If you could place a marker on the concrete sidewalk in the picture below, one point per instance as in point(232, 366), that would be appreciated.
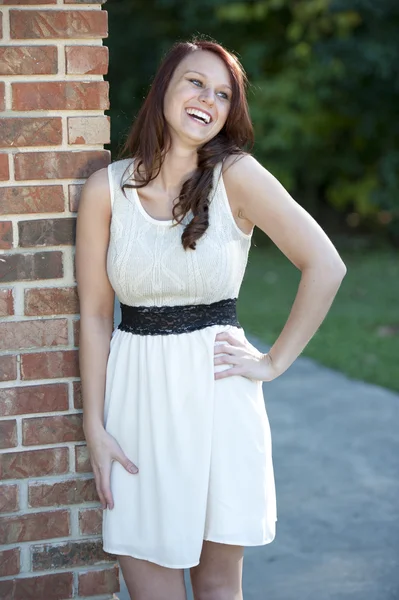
point(336, 458)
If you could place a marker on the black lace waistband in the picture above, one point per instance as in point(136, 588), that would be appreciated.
point(166, 320)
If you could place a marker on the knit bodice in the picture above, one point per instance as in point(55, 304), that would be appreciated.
point(146, 262)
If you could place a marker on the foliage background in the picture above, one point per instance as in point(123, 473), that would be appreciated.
point(324, 93)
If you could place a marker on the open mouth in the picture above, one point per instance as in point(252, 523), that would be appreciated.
point(199, 116)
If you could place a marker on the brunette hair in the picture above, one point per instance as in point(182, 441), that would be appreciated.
point(148, 139)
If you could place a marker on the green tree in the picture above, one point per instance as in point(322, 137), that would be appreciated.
point(323, 96)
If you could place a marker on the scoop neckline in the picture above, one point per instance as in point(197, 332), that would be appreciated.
point(146, 215)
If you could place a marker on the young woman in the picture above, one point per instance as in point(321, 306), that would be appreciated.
point(174, 414)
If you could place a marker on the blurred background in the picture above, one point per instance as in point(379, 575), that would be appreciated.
point(324, 98)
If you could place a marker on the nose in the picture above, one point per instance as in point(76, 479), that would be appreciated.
point(207, 96)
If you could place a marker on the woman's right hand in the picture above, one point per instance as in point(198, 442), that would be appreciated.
point(103, 449)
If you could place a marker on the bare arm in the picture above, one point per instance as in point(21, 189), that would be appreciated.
point(96, 297)
point(265, 203)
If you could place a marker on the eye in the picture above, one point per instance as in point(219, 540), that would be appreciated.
point(197, 81)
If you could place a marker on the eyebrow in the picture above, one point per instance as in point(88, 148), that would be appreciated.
point(203, 75)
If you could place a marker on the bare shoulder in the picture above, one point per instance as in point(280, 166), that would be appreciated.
point(255, 190)
point(96, 193)
point(244, 170)
point(94, 214)
point(266, 203)
point(96, 295)
point(235, 173)
point(235, 165)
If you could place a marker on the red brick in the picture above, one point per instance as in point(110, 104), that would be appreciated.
point(6, 302)
point(86, 60)
point(82, 460)
point(69, 554)
point(50, 365)
point(34, 526)
point(51, 301)
point(31, 199)
point(51, 430)
point(8, 368)
point(74, 196)
point(76, 331)
point(6, 236)
point(17, 2)
point(4, 172)
point(89, 130)
point(18, 132)
point(34, 463)
point(9, 499)
point(84, 1)
point(59, 165)
point(9, 562)
point(31, 266)
point(28, 60)
point(17, 335)
point(77, 394)
point(33, 399)
point(90, 521)
point(71, 491)
point(7, 586)
point(47, 232)
point(8, 434)
point(58, 586)
point(61, 24)
point(60, 95)
point(105, 581)
point(2, 96)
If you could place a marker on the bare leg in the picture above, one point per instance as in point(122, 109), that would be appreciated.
point(219, 574)
point(148, 581)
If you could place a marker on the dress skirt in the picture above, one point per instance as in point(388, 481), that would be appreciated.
point(203, 448)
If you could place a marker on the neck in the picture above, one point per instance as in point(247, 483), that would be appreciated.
point(178, 165)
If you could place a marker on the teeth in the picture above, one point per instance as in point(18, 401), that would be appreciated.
point(199, 113)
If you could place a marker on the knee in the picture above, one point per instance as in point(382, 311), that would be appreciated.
point(216, 591)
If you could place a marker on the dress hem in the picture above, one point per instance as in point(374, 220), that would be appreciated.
point(186, 566)
point(245, 545)
point(161, 564)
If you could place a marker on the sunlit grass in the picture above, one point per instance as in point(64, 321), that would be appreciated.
point(360, 335)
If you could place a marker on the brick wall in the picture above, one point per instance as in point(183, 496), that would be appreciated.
point(52, 130)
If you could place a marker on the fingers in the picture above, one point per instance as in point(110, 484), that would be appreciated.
point(97, 478)
point(119, 455)
point(102, 477)
point(105, 483)
point(229, 337)
point(222, 360)
point(234, 352)
point(227, 373)
point(126, 463)
point(224, 349)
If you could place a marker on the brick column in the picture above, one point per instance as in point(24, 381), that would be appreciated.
point(52, 131)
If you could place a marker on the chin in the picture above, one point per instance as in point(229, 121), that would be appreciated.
point(196, 138)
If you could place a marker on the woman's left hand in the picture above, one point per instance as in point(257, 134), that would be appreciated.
point(246, 360)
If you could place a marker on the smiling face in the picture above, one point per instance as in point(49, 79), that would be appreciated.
point(197, 101)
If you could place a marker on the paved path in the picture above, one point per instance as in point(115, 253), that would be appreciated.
point(336, 458)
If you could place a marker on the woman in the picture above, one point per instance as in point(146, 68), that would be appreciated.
point(173, 396)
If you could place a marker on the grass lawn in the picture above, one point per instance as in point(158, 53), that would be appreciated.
point(360, 335)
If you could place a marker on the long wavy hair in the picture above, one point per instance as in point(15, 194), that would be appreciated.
point(148, 139)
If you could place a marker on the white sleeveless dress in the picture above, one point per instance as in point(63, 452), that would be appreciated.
point(202, 446)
